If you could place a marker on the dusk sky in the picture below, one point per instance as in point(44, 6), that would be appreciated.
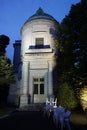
point(13, 14)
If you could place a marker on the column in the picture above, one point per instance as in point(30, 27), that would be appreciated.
point(50, 79)
point(25, 77)
point(31, 86)
point(24, 96)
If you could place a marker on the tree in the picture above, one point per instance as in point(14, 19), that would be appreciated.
point(73, 46)
point(6, 69)
point(4, 41)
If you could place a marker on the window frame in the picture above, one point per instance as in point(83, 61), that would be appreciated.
point(39, 43)
point(39, 81)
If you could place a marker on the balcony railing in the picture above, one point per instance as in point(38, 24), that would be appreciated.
point(39, 47)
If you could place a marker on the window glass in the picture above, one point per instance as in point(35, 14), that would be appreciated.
point(41, 88)
point(35, 79)
point(38, 83)
point(35, 88)
point(42, 79)
point(39, 43)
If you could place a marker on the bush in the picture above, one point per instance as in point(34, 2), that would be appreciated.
point(66, 96)
point(83, 97)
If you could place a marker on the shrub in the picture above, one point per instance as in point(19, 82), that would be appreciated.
point(66, 96)
point(83, 97)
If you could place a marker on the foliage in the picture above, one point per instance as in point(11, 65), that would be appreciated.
point(6, 68)
point(83, 97)
point(73, 46)
point(6, 78)
point(4, 41)
point(6, 71)
point(66, 96)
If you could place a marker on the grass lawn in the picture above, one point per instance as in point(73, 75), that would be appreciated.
point(78, 120)
point(6, 110)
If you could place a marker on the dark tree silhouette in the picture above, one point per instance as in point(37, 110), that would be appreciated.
point(6, 69)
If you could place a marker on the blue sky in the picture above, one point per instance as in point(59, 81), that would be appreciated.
point(13, 14)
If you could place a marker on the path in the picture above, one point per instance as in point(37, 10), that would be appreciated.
point(26, 120)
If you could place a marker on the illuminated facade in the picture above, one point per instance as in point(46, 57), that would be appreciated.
point(35, 59)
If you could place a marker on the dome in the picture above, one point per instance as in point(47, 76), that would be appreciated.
point(40, 15)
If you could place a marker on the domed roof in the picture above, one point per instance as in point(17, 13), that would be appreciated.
point(40, 15)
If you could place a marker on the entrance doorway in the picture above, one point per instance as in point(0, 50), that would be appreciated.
point(39, 90)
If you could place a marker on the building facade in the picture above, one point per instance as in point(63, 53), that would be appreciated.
point(35, 59)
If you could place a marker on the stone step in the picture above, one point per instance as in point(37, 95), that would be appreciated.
point(32, 107)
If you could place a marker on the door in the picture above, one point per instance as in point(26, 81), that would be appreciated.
point(38, 87)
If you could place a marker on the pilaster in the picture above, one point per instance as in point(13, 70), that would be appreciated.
point(25, 77)
point(24, 94)
point(50, 79)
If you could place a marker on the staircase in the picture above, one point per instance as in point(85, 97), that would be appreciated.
point(32, 107)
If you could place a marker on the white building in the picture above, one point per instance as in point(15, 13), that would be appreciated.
point(35, 59)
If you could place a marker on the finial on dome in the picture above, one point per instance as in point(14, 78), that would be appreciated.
point(40, 11)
